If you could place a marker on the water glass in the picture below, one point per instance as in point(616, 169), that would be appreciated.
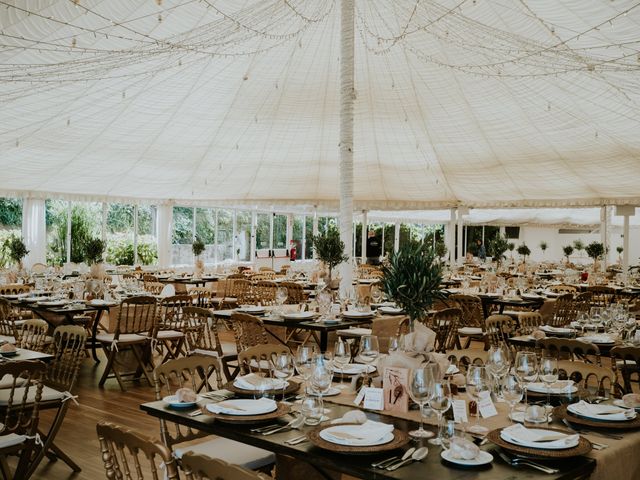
point(368, 353)
point(440, 402)
point(478, 385)
point(512, 392)
point(283, 369)
point(446, 432)
point(312, 409)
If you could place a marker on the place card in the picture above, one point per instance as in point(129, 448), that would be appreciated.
point(486, 407)
point(374, 398)
point(460, 411)
point(394, 384)
point(360, 396)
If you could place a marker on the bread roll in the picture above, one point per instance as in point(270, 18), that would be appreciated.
point(464, 449)
point(632, 400)
point(186, 395)
point(7, 347)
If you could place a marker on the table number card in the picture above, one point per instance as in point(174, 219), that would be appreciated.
point(373, 399)
point(396, 394)
point(486, 407)
point(460, 411)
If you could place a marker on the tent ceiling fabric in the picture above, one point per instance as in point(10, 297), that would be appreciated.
point(487, 103)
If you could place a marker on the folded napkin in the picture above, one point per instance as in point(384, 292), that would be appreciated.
point(538, 438)
point(562, 386)
point(365, 434)
point(549, 328)
point(352, 416)
point(253, 381)
point(610, 413)
point(243, 407)
point(422, 339)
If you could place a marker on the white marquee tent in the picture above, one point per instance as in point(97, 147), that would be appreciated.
point(484, 103)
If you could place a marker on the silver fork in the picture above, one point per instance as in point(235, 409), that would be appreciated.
point(518, 461)
point(585, 431)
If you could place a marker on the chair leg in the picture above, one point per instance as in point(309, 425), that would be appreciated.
point(4, 468)
point(141, 363)
point(65, 458)
point(107, 369)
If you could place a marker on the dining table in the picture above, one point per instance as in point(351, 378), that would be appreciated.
point(321, 328)
point(304, 460)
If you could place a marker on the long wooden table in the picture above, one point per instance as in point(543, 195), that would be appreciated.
point(307, 461)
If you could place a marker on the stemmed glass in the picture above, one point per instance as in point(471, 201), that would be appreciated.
point(341, 354)
point(283, 369)
point(440, 401)
point(498, 363)
point(526, 370)
point(549, 375)
point(478, 385)
point(324, 303)
point(421, 382)
point(368, 353)
point(321, 378)
point(376, 294)
point(512, 392)
point(304, 362)
point(281, 296)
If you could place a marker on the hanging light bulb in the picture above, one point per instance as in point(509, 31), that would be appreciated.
point(76, 2)
point(159, 2)
point(159, 17)
point(73, 42)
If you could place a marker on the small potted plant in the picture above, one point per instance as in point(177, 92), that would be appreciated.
point(543, 247)
point(497, 247)
point(330, 250)
point(524, 252)
point(567, 250)
point(93, 253)
point(15, 249)
point(511, 246)
point(578, 245)
point(412, 278)
point(619, 250)
point(198, 247)
point(595, 250)
point(441, 250)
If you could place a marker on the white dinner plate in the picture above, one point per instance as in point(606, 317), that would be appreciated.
point(355, 369)
point(540, 387)
point(356, 314)
point(299, 316)
point(518, 416)
point(620, 403)
point(245, 407)
point(251, 309)
point(390, 310)
point(172, 401)
point(483, 458)
point(325, 435)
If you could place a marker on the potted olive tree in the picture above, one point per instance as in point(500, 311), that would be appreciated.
point(497, 247)
point(578, 246)
point(543, 247)
point(15, 249)
point(595, 250)
point(619, 250)
point(197, 247)
point(511, 246)
point(93, 254)
point(330, 250)
point(524, 252)
point(567, 250)
point(412, 279)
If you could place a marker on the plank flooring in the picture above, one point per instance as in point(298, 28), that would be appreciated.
point(78, 438)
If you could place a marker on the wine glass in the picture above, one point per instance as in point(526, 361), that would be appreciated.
point(283, 369)
point(324, 303)
point(303, 362)
point(341, 354)
point(498, 363)
point(395, 343)
point(281, 296)
point(478, 385)
point(376, 294)
point(440, 401)
point(368, 353)
point(446, 433)
point(312, 409)
point(321, 377)
point(420, 389)
point(512, 392)
point(549, 375)
point(526, 370)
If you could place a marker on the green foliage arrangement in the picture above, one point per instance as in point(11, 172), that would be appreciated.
point(619, 250)
point(83, 228)
point(578, 245)
point(595, 250)
point(524, 251)
point(120, 252)
point(329, 249)
point(197, 246)
point(567, 250)
point(15, 248)
point(543, 246)
point(497, 247)
point(511, 246)
point(441, 250)
point(412, 278)
point(94, 250)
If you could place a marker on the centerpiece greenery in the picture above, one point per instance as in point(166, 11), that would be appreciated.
point(567, 250)
point(197, 246)
point(511, 246)
point(15, 249)
point(578, 245)
point(543, 247)
point(94, 250)
point(595, 250)
point(497, 247)
point(329, 250)
point(441, 250)
point(412, 278)
point(524, 252)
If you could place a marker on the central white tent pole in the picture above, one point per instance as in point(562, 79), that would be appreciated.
point(346, 135)
point(363, 237)
point(626, 211)
point(163, 234)
point(396, 237)
point(135, 234)
point(450, 235)
point(254, 224)
point(460, 234)
point(34, 230)
point(603, 233)
point(314, 227)
point(68, 238)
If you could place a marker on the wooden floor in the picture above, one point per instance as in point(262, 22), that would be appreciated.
point(77, 436)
